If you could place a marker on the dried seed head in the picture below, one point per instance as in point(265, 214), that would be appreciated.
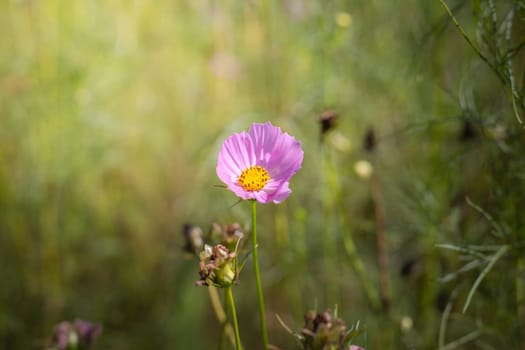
point(193, 238)
point(229, 235)
point(324, 331)
point(216, 266)
point(328, 120)
point(370, 140)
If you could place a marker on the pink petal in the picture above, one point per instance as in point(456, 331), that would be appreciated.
point(280, 194)
point(265, 145)
point(264, 138)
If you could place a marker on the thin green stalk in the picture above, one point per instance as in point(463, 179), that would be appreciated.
point(234, 318)
point(463, 340)
point(515, 95)
point(444, 320)
point(258, 275)
point(330, 244)
point(469, 41)
point(220, 345)
point(221, 314)
point(348, 241)
point(224, 323)
point(483, 273)
point(520, 291)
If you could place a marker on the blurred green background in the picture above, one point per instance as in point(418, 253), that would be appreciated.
point(111, 117)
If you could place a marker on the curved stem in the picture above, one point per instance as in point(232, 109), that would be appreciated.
point(221, 314)
point(234, 318)
point(258, 275)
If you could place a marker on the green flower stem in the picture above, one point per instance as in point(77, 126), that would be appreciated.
point(335, 190)
point(223, 322)
point(330, 244)
point(221, 314)
point(234, 318)
point(258, 275)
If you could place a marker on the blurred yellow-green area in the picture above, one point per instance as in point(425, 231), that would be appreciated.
point(407, 216)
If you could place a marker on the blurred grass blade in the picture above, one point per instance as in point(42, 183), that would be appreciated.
point(483, 273)
point(465, 268)
point(463, 340)
point(299, 337)
point(466, 250)
point(487, 216)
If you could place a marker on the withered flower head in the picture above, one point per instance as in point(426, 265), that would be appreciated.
point(217, 266)
point(327, 121)
point(229, 235)
point(193, 237)
point(63, 336)
point(79, 334)
point(370, 140)
point(324, 331)
point(87, 331)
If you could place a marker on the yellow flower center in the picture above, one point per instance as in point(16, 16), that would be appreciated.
point(254, 178)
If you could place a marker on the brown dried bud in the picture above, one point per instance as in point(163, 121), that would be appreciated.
point(217, 266)
point(327, 122)
point(324, 331)
point(370, 140)
point(229, 235)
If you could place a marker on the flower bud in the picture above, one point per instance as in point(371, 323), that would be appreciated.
point(327, 121)
point(217, 266)
point(324, 331)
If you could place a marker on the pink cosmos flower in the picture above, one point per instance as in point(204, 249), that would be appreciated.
point(258, 164)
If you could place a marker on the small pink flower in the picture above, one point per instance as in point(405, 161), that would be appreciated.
point(258, 164)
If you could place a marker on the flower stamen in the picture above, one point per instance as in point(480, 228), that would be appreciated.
point(254, 178)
